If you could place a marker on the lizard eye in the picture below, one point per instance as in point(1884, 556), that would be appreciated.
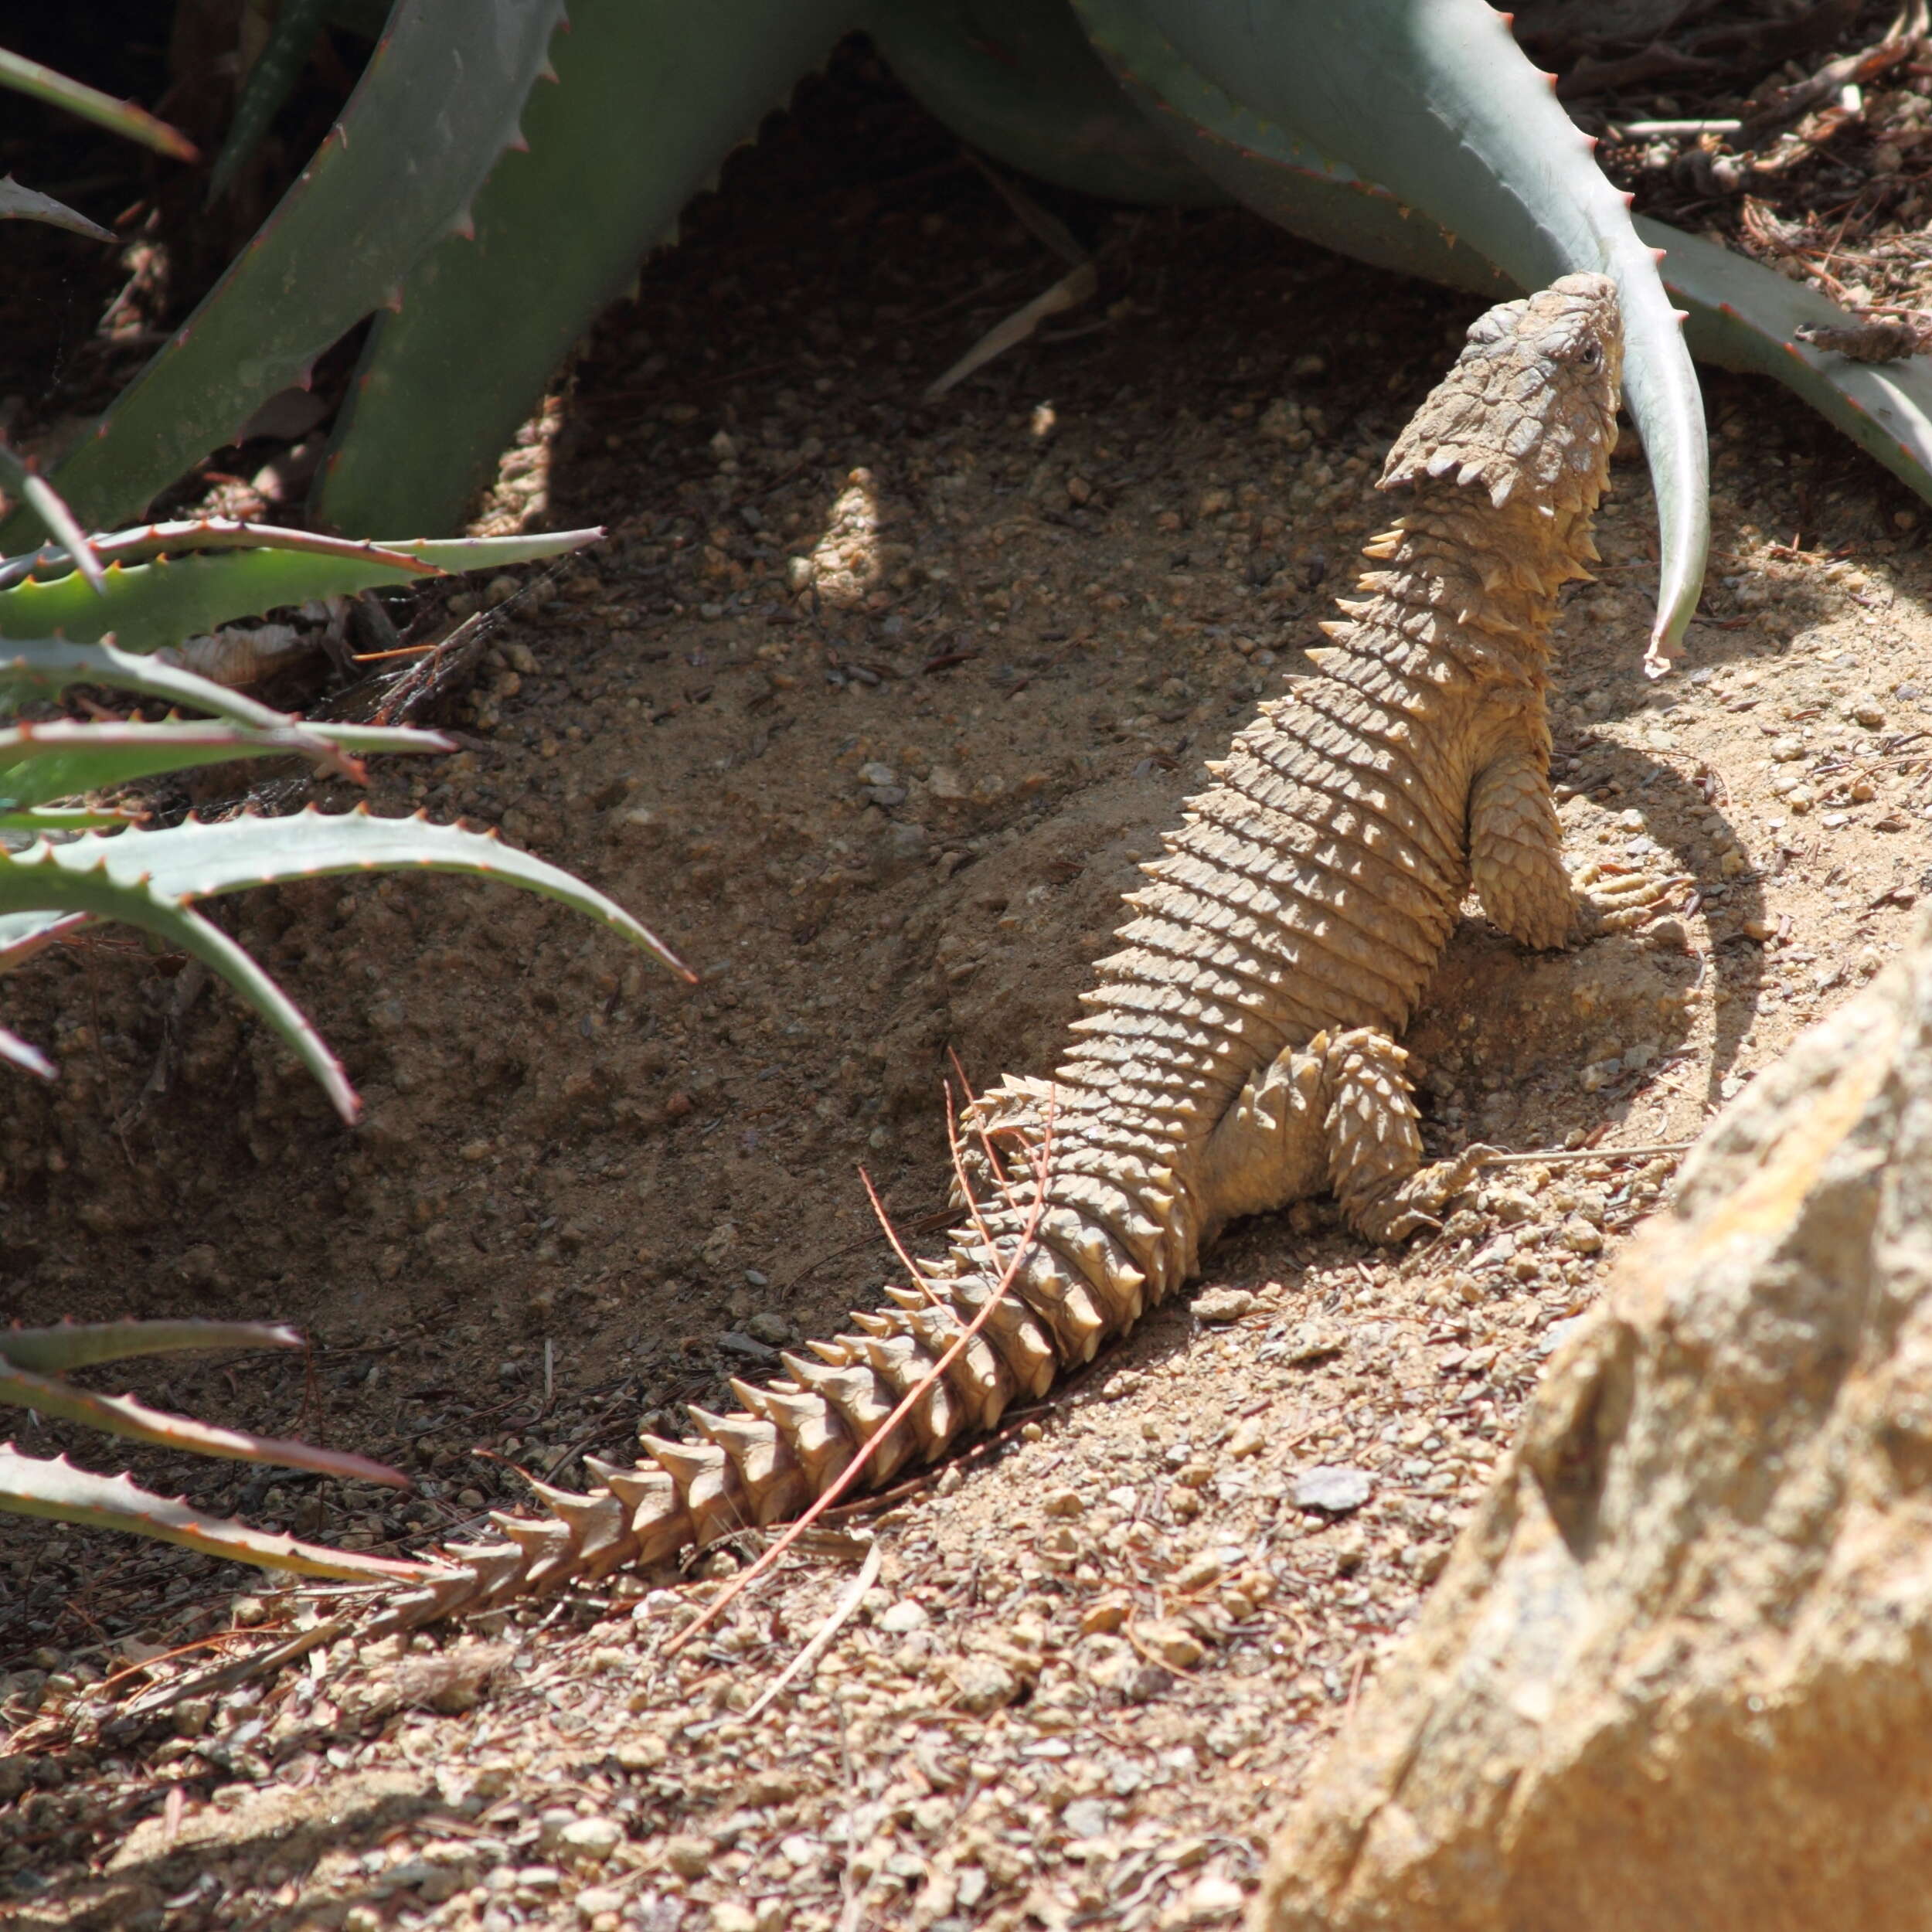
point(1589, 356)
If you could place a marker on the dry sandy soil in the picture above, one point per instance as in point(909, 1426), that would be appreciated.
point(886, 799)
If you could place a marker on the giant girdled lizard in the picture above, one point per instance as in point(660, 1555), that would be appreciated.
point(1240, 1049)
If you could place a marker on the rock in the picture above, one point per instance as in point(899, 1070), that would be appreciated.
point(1674, 1672)
point(1085, 1818)
point(1223, 1305)
point(906, 1615)
point(1064, 1502)
point(983, 1683)
point(1315, 1340)
point(1333, 1488)
point(1175, 1645)
point(1199, 1572)
point(689, 1855)
point(1126, 1679)
point(591, 1840)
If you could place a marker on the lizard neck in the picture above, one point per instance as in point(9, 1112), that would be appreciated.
point(1482, 582)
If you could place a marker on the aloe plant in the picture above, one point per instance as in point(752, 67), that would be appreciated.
point(90, 863)
point(72, 855)
point(34, 1363)
point(482, 203)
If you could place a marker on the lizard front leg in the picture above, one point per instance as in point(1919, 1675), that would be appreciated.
point(1516, 863)
point(1335, 1115)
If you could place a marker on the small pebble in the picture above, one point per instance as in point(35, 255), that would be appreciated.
point(1199, 1572)
point(1085, 1818)
point(983, 1683)
point(688, 1855)
point(1332, 1488)
point(1104, 1614)
point(1580, 1237)
point(1175, 1645)
point(1223, 1305)
point(591, 1839)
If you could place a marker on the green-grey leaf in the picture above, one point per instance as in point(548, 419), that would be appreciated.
point(37, 882)
point(147, 605)
point(67, 758)
point(437, 105)
point(148, 879)
point(45, 666)
point(1743, 316)
point(28, 204)
point(195, 861)
point(651, 96)
point(123, 117)
point(45, 501)
point(32, 1487)
point(123, 1416)
point(69, 1346)
point(25, 1055)
point(1433, 99)
point(452, 554)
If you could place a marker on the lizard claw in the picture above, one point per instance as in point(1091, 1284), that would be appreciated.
point(1412, 1206)
point(1622, 902)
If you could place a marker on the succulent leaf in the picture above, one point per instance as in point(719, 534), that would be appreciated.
point(25, 1055)
point(267, 83)
point(121, 116)
point(20, 477)
point(1433, 99)
point(45, 666)
point(652, 95)
point(434, 554)
point(123, 1416)
point(149, 878)
point(69, 1346)
point(1743, 316)
point(146, 605)
point(437, 105)
point(32, 1486)
point(66, 759)
point(31, 883)
point(1020, 79)
point(28, 204)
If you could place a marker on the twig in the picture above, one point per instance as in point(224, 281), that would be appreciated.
point(214, 1683)
point(1548, 1154)
point(822, 1637)
point(854, 1469)
point(899, 1247)
point(1618, 130)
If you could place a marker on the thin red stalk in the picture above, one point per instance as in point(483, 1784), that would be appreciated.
point(917, 1394)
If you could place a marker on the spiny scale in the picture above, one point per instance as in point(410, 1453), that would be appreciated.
point(1239, 1049)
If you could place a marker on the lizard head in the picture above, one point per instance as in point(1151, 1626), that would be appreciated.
point(1529, 411)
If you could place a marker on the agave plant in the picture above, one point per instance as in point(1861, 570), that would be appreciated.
point(77, 861)
point(33, 1365)
point(493, 180)
point(72, 854)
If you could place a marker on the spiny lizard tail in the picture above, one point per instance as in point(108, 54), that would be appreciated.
point(1239, 1052)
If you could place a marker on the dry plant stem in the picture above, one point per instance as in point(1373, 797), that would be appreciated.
point(892, 1233)
point(912, 1399)
point(1567, 1154)
point(822, 1637)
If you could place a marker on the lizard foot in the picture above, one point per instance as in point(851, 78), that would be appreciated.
point(1414, 1204)
point(1609, 901)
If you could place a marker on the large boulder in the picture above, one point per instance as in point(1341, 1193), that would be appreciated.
point(1679, 1671)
